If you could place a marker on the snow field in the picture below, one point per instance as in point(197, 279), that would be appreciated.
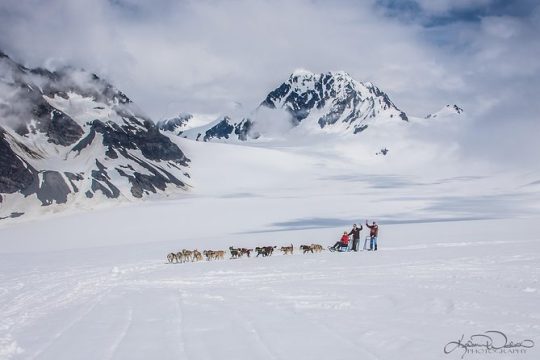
point(404, 301)
point(459, 254)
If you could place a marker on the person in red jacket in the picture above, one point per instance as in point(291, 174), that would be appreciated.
point(373, 234)
point(344, 241)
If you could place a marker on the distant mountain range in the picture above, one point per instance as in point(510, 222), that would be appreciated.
point(331, 102)
point(69, 136)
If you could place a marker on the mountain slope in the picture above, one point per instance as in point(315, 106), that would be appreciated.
point(69, 134)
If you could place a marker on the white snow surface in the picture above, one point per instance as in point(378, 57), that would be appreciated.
point(459, 254)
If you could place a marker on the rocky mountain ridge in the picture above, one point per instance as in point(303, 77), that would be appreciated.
point(68, 134)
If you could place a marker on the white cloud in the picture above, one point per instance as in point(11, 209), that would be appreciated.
point(439, 7)
point(200, 56)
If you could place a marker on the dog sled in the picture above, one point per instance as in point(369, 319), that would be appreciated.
point(341, 248)
point(367, 243)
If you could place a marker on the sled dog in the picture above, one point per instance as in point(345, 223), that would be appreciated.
point(287, 249)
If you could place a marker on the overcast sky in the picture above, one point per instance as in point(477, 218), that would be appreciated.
point(173, 56)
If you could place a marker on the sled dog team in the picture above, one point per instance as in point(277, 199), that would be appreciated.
point(195, 255)
point(236, 253)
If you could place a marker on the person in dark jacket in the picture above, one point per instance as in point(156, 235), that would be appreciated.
point(344, 241)
point(373, 234)
point(355, 232)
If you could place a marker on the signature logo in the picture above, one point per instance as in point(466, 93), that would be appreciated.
point(490, 342)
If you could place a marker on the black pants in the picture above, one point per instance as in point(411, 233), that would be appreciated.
point(338, 245)
point(355, 244)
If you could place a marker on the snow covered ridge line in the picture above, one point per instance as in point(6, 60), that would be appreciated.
point(448, 110)
point(68, 136)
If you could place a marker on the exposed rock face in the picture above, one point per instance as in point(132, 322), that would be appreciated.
point(175, 124)
point(243, 129)
point(222, 130)
point(71, 119)
point(137, 135)
point(53, 188)
point(15, 174)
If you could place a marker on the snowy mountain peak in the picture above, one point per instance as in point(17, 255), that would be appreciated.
point(304, 77)
point(300, 72)
point(448, 110)
point(332, 99)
